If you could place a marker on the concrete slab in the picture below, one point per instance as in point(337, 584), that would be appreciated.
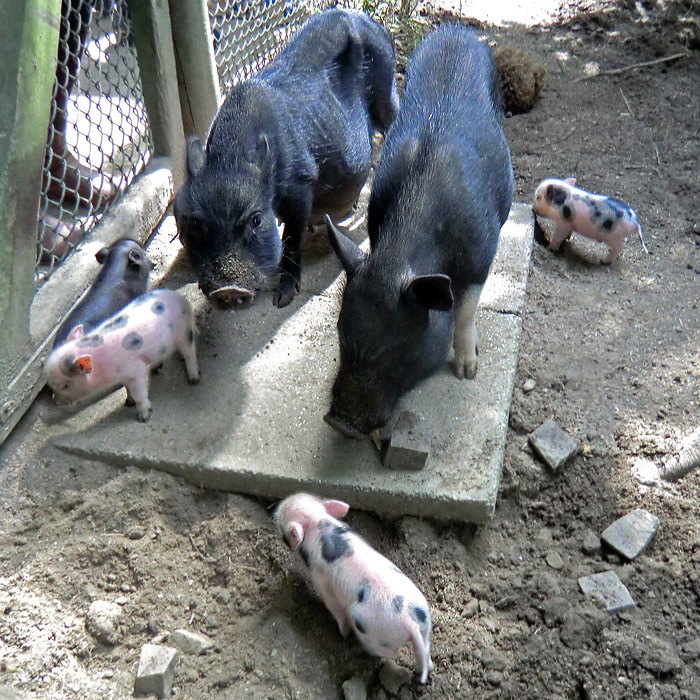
point(254, 424)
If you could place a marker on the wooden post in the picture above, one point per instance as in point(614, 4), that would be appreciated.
point(156, 56)
point(29, 32)
point(194, 52)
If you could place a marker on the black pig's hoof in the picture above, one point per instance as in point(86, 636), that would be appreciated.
point(284, 293)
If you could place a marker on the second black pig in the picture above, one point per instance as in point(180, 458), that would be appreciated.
point(443, 189)
point(290, 144)
point(123, 277)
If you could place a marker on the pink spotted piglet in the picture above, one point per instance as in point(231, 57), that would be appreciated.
point(595, 216)
point(363, 590)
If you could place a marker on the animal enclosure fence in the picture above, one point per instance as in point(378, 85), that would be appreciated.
point(100, 92)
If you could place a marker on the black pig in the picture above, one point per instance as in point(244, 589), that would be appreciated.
point(290, 144)
point(441, 193)
point(123, 277)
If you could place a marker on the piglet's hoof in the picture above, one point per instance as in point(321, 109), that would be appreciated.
point(195, 380)
point(144, 416)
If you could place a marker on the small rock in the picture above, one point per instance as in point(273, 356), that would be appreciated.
point(189, 642)
point(630, 535)
point(101, 621)
point(471, 608)
point(552, 445)
point(591, 543)
point(135, 532)
point(354, 689)
point(494, 677)
point(645, 472)
point(493, 660)
point(554, 560)
point(156, 670)
point(690, 651)
point(529, 385)
point(607, 587)
point(392, 677)
point(222, 596)
point(409, 445)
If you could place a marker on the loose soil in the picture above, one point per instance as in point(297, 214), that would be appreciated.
point(614, 354)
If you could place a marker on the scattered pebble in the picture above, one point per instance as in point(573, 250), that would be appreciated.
point(607, 587)
point(630, 535)
point(135, 532)
point(409, 445)
point(529, 385)
point(554, 560)
point(156, 670)
point(392, 677)
point(552, 445)
point(591, 543)
point(645, 471)
point(102, 620)
point(189, 642)
point(471, 608)
point(354, 689)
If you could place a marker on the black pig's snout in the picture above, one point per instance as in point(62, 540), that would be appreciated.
point(232, 297)
point(343, 428)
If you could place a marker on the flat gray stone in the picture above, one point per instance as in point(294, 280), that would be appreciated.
point(189, 642)
point(552, 445)
point(156, 671)
point(255, 422)
point(608, 588)
point(630, 534)
point(409, 445)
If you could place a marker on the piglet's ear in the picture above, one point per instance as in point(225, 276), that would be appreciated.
point(84, 363)
point(294, 534)
point(336, 509)
point(77, 332)
point(570, 181)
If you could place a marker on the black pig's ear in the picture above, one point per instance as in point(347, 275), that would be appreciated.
point(430, 291)
point(258, 153)
point(348, 252)
point(195, 156)
point(101, 255)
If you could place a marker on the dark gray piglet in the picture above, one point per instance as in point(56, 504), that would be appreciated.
point(442, 191)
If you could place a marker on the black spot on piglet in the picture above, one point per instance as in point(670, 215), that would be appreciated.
point(365, 590)
point(359, 626)
point(418, 614)
point(158, 308)
point(334, 544)
point(190, 336)
point(397, 604)
point(115, 323)
point(567, 213)
point(90, 341)
point(607, 225)
point(133, 341)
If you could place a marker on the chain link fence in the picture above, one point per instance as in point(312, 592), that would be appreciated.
point(249, 33)
point(98, 137)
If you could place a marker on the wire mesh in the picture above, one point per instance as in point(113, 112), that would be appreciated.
point(249, 33)
point(98, 137)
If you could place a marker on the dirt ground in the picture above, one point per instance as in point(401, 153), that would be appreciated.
point(614, 352)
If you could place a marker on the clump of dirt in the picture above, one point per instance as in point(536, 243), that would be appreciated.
point(522, 78)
